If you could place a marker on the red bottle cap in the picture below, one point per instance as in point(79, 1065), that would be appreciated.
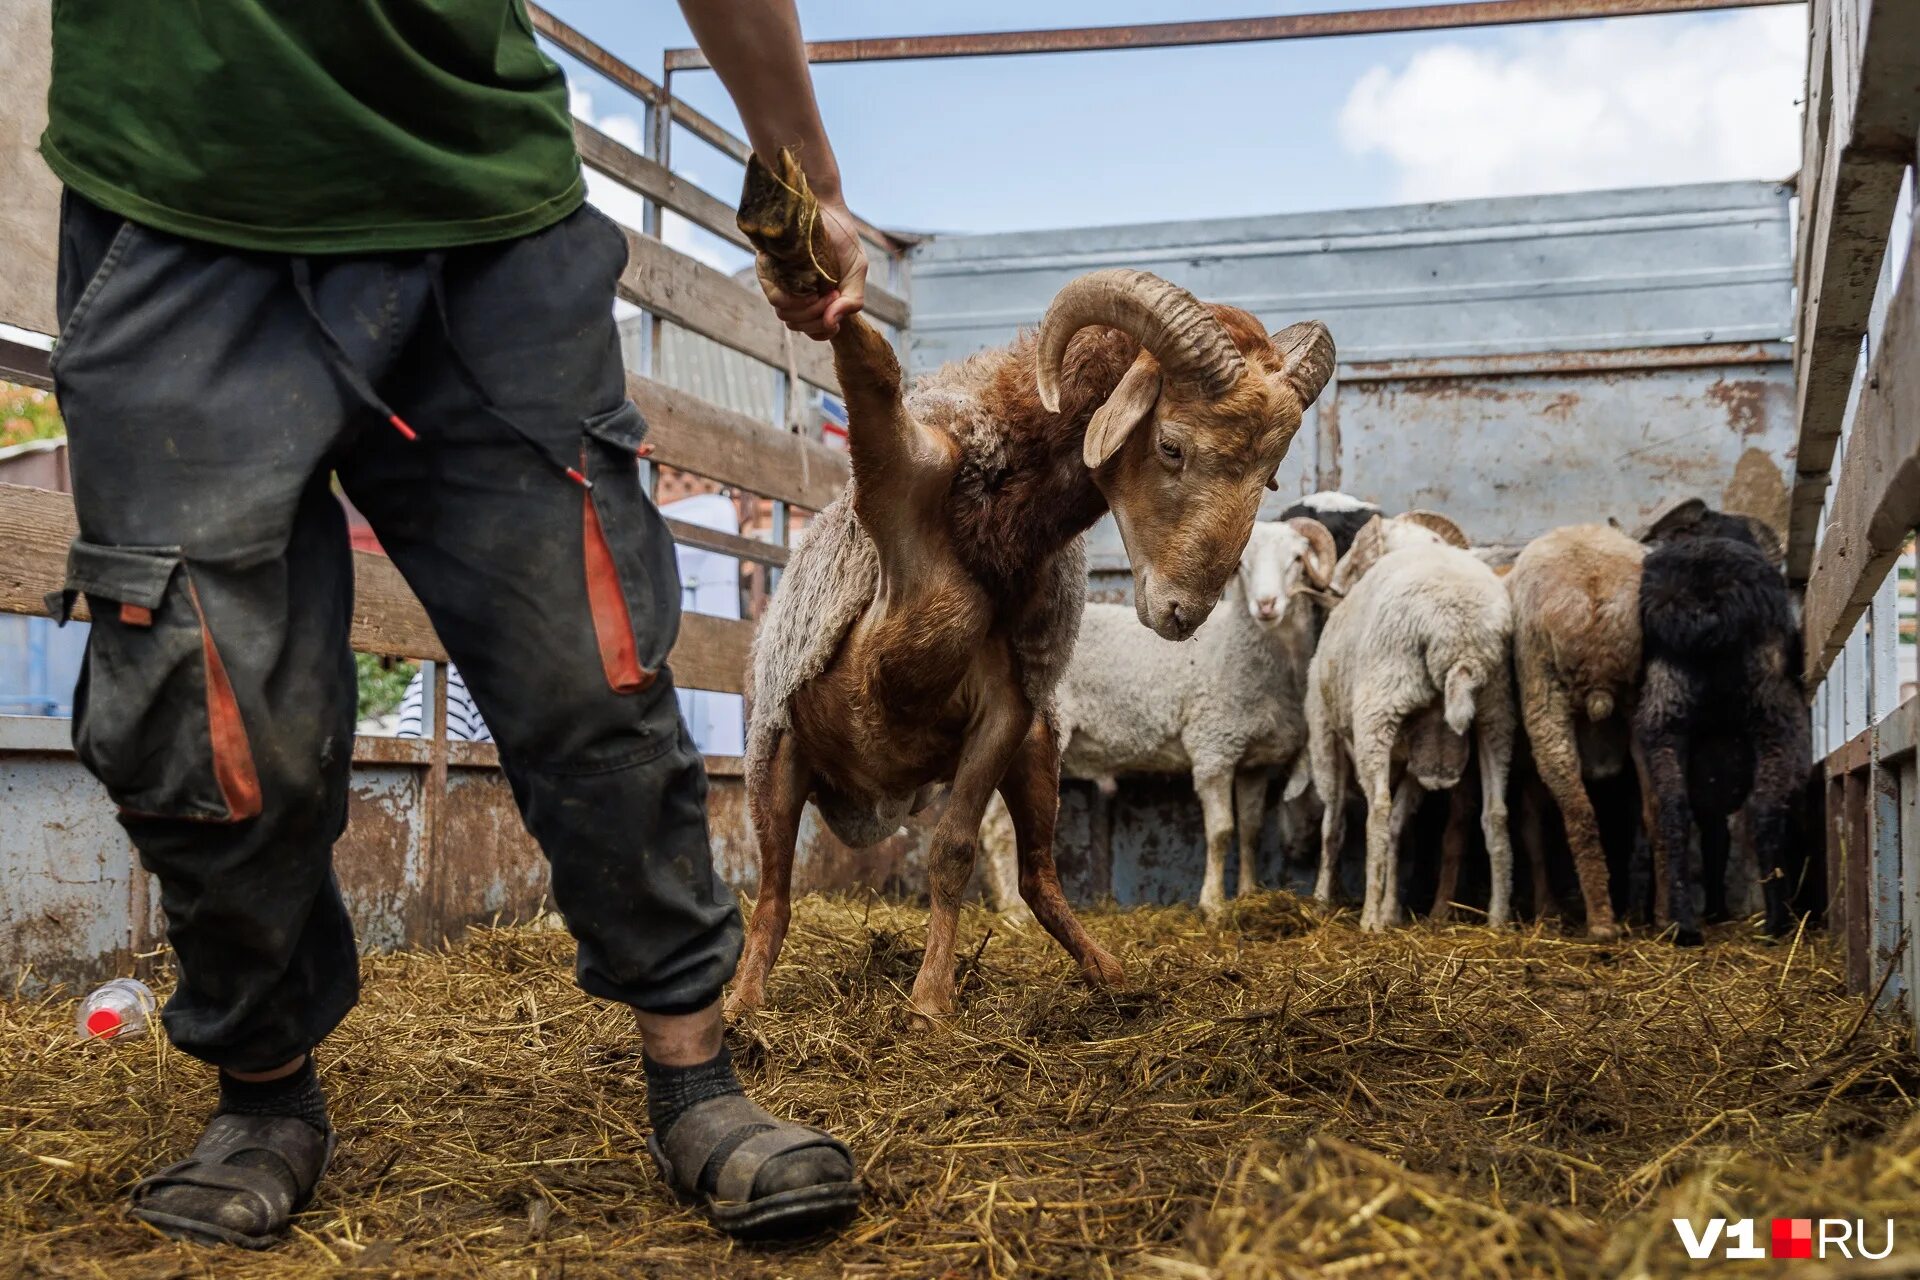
point(102, 1022)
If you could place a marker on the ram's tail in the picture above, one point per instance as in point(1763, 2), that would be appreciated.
point(1463, 682)
point(1299, 779)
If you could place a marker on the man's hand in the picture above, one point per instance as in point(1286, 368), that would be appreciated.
point(819, 315)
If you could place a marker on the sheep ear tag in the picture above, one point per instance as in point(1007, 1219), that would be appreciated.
point(1130, 405)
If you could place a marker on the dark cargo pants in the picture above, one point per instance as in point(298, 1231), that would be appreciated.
point(210, 396)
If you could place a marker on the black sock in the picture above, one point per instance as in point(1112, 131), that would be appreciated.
point(671, 1090)
point(298, 1095)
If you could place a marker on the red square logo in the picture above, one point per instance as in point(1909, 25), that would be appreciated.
point(1793, 1237)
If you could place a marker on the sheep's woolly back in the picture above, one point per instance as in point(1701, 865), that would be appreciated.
point(1576, 604)
point(1418, 615)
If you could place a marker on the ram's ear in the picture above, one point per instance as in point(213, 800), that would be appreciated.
point(1130, 405)
point(1671, 518)
point(1767, 538)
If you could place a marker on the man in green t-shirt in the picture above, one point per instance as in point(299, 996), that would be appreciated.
point(308, 241)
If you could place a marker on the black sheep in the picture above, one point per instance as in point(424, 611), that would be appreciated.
point(1343, 515)
point(1722, 721)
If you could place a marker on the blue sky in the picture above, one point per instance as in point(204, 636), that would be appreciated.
point(1061, 140)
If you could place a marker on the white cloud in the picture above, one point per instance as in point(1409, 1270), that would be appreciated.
point(1589, 105)
point(626, 206)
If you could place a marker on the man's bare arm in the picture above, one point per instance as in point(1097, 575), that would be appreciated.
point(756, 48)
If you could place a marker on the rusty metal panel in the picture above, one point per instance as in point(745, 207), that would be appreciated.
point(1511, 456)
point(489, 867)
point(381, 859)
point(66, 900)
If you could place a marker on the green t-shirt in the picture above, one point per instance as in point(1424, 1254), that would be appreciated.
point(312, 126)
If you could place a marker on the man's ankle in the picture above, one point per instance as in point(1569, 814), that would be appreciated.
point(295, 1093)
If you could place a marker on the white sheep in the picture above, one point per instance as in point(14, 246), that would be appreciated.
point(1225, 707)
point(1411, 666)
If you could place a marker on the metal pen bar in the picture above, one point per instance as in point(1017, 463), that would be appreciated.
point(1167, 35)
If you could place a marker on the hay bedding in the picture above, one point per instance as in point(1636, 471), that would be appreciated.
point(1285, 1097)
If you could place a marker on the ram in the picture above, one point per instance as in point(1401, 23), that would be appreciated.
point(928, 613)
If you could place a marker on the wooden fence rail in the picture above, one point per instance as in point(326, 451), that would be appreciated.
point(1863, 106)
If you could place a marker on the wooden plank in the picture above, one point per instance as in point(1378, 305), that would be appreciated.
point(727, 544)
point(36, 526)
point(594, 55)
point(1899, 735)
point(656, 182)
point(1836, 848)
point(1909, 784)
point(1887, 906)
point(712, 653)
point(1877, 501)
point(1851, 756)
point(1858, 936)
point(1863, 111)
point(692, 294)
point(25, 364)
point(693, 435)
point(29, 193)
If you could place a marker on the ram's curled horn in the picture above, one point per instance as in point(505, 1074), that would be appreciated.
point(1306, 353)
point(1449, 531)
point(1183, 335)
point(1321, 555)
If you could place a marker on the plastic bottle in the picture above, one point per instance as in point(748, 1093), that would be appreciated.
point(121, 1010)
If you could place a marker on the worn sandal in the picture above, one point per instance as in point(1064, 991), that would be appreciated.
point(288, 1156)
point(715, 1153)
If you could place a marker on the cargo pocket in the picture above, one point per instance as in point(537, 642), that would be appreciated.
point(633, 585)
point(155, 717)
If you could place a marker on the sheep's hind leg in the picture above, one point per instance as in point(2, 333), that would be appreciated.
point(1556, 757)
point(1215, 790)
point(1453, 851)
point(1031, 789)
point(1249, 811)
point(1330, 779)
point(776, 794)
point(1381, 907)
point(984, 757)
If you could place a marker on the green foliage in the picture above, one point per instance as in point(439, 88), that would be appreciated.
point(383, 682)
point(27, 413)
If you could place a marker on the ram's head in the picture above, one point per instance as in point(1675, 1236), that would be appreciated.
point(1194, 432)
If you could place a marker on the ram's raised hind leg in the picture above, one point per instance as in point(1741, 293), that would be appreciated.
point(897, 463)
